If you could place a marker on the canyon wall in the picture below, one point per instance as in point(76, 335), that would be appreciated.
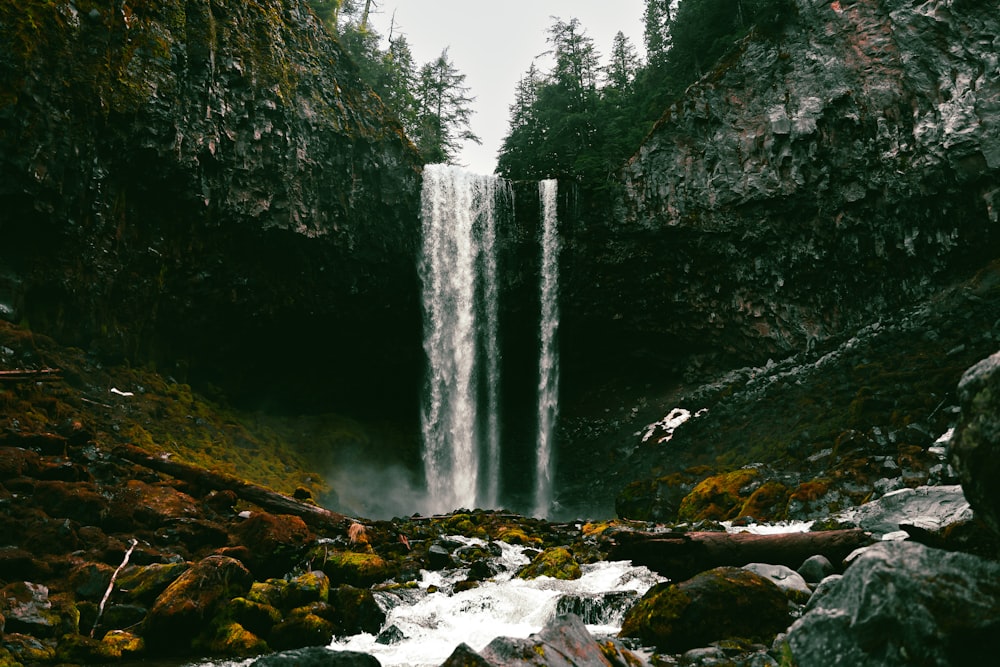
point(207, 180)
point(814, 181)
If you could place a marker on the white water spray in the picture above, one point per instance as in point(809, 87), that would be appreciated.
point(548, 362)
point(458, 272)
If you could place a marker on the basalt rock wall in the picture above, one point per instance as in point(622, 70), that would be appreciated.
point(207, 181)
point(815, 180)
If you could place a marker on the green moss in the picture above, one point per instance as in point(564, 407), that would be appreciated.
point(556, 562)
point(230, 639)
point(357, 569)
point(516, 535)
point(717, 498)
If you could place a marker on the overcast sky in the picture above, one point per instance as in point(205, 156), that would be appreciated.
point(493, 43)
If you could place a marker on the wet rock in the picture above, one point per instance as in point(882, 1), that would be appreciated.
point(439, 557)
point(316, 657)
point(79, 649)
point(975, 447)
point(597, 608)
point(230, 639)
point(717, 604)
point(816, 568)
point(124, 644)
point(563, 642)
point(788, 580)
point(902, 602)
point(122, 616)
point(188, 605)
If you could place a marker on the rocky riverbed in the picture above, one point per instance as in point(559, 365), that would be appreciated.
point(113, 553)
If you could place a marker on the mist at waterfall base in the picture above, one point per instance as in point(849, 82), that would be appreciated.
point(486, 432)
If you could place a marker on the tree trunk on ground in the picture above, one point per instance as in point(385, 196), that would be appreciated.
point(680, 556)
point(269, 500)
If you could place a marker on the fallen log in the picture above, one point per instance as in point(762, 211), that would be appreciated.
point(680, 556)
point(30, 375)
point(271, 501)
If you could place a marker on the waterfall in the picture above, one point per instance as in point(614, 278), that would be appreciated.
point(548, 362)
point(460, 416)
point(461, 441)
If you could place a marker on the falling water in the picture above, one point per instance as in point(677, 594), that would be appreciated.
point(548, 363)
point(458, 272)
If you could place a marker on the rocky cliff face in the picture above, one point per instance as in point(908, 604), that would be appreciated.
point(814, 181)
point(207, 180)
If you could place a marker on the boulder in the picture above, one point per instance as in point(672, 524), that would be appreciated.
point(975, 448)
point(29, 609)
point(788, 580)
point(144, 583)
point(902, 603)
point(256, 617)
point(717, 604)
point(316, 656)
point(816, 568)
point(563, 642)
point(301, 629)
point(557, 562)
point(277, 542)
point(356, 610)
point(926, 507)
point(188, 606)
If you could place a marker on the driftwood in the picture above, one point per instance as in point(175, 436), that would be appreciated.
point(269, 500)
point(30, 375)
point(680, 556)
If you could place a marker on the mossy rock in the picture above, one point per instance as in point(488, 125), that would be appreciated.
point(356, 610)
point(270, 592)
point(313, 586)
point(354, 568)
point(191, 603)
point(301, 630)
point(124, 644)
point(256, 617)
point(144, 583)
point(7, 659)
point(517, 535)
point(231, 640)
point(28, 649)
point(718, 604)
point(769, 502)
point(556, 562)
point(719, 497)
point(78, 649)
point(27, 607)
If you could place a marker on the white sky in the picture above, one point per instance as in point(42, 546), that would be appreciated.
point(493, 43)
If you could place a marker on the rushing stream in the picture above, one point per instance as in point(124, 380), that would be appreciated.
point(423, 627)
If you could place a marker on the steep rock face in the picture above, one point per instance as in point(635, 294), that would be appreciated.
point(206, 180)
point(815, 180)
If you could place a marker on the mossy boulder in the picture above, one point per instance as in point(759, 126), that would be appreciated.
point(313, 586)
point(356, 610)
point(557, 562)
point(270, 592)
point(718, 604)
point(79, 649)
point(355, 568)
point(190, 603)
point(124, 644)
point(144, 583)
point(302, 629)
point(256, 617)
point(276, 543)
point(230, 639)
point(719, 497)
point(89, 581)
point(517, 535)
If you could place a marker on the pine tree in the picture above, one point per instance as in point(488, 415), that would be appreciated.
point(443, 111)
